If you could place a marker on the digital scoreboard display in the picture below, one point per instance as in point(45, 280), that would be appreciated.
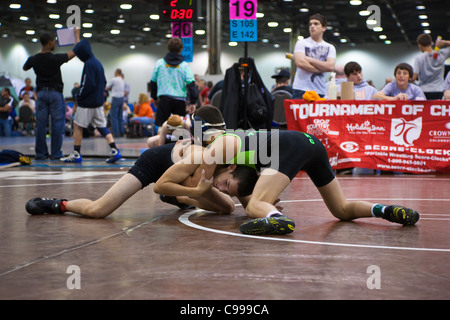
point(177, 10)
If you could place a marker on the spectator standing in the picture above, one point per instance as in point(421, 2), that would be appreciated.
point(429, 66)
point(89, 104)
point(170, 79)
point(50, 100)
point(117, 87)
point(313, 57)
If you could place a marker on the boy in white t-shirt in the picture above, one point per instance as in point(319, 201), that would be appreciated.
point(313, 57)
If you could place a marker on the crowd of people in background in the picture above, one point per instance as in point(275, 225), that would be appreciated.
point(104, 107)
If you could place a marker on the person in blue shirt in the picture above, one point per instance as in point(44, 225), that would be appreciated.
point(89, 103)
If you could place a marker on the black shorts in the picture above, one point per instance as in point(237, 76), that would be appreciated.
point(297, 151)
point(152, 164)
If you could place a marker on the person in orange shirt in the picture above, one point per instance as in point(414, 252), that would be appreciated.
point(143, 110)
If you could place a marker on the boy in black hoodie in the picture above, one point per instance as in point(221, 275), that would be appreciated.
point(88, 107)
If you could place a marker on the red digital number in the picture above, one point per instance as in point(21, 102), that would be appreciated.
point(173, 3)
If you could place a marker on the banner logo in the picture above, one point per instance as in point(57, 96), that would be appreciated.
point(404, 133)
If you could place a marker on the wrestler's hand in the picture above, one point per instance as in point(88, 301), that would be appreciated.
point(204, 184)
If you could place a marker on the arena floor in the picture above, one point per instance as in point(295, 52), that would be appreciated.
point(148, 249)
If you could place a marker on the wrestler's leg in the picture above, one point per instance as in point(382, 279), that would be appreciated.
point(340, 207)
point(121, 191)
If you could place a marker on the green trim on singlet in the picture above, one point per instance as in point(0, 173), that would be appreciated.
point(244, 157)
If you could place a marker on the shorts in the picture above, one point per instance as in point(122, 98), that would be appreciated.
point(86, 116)
point(152, 164)
point(298, 151)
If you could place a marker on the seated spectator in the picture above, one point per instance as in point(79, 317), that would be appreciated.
point(165, 131)
point(282, 79)
point(143, 110)
point(429, 66)
point(401, 88)
point(447, 87)
point(361, 88)
point(28, 102)
point(28, 89)
point(6, 108)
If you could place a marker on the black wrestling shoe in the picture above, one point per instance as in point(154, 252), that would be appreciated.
point(276, 224)
point(44, 205)
point(173, 200)
point(402, 215)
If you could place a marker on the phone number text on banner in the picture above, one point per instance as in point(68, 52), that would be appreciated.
point(405, 136)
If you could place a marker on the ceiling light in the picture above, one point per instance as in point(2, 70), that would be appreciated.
point(260, 15)
point(115, 31)
point(355, 2)
point(132, 47)
point(272, 24)
point(420, 7)
point(146, 29)
point(168, 35)
point(120, 20)
point(87, 35)
point(90, 11)
point(51, 1)
point(200, 32)
point(371, 22)
point(53, 16)
point(303, 10)
point(87, 25)
point(382, 36)
point(24, 18)
point(377, 29)
point(336, 34)
point(343, 40)
point(276, 45)
point(388, 42)
point(30, 32)
point(58, 26)
point(34, 40)
point(423, 17)
point(232, 44)
point(364, 13)
point(425, 24)
point(427, 31)
point(264, 40)
point(287, 30)
point(154, 16)
point(15, 6)
point(126, 6)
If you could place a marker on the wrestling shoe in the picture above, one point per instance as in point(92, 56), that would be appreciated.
point(115, 155)
point(74, 157)
point(276, 224)
point(401, 215)
point(44, 205)
point(173, 200)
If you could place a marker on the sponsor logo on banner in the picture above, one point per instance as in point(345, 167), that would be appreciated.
point(349, 146)
point(365, 128)
point(319, 127)
point(404, 133)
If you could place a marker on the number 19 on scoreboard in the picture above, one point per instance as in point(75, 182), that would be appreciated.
point(243, 26)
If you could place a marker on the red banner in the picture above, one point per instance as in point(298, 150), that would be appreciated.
point(405, 136)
